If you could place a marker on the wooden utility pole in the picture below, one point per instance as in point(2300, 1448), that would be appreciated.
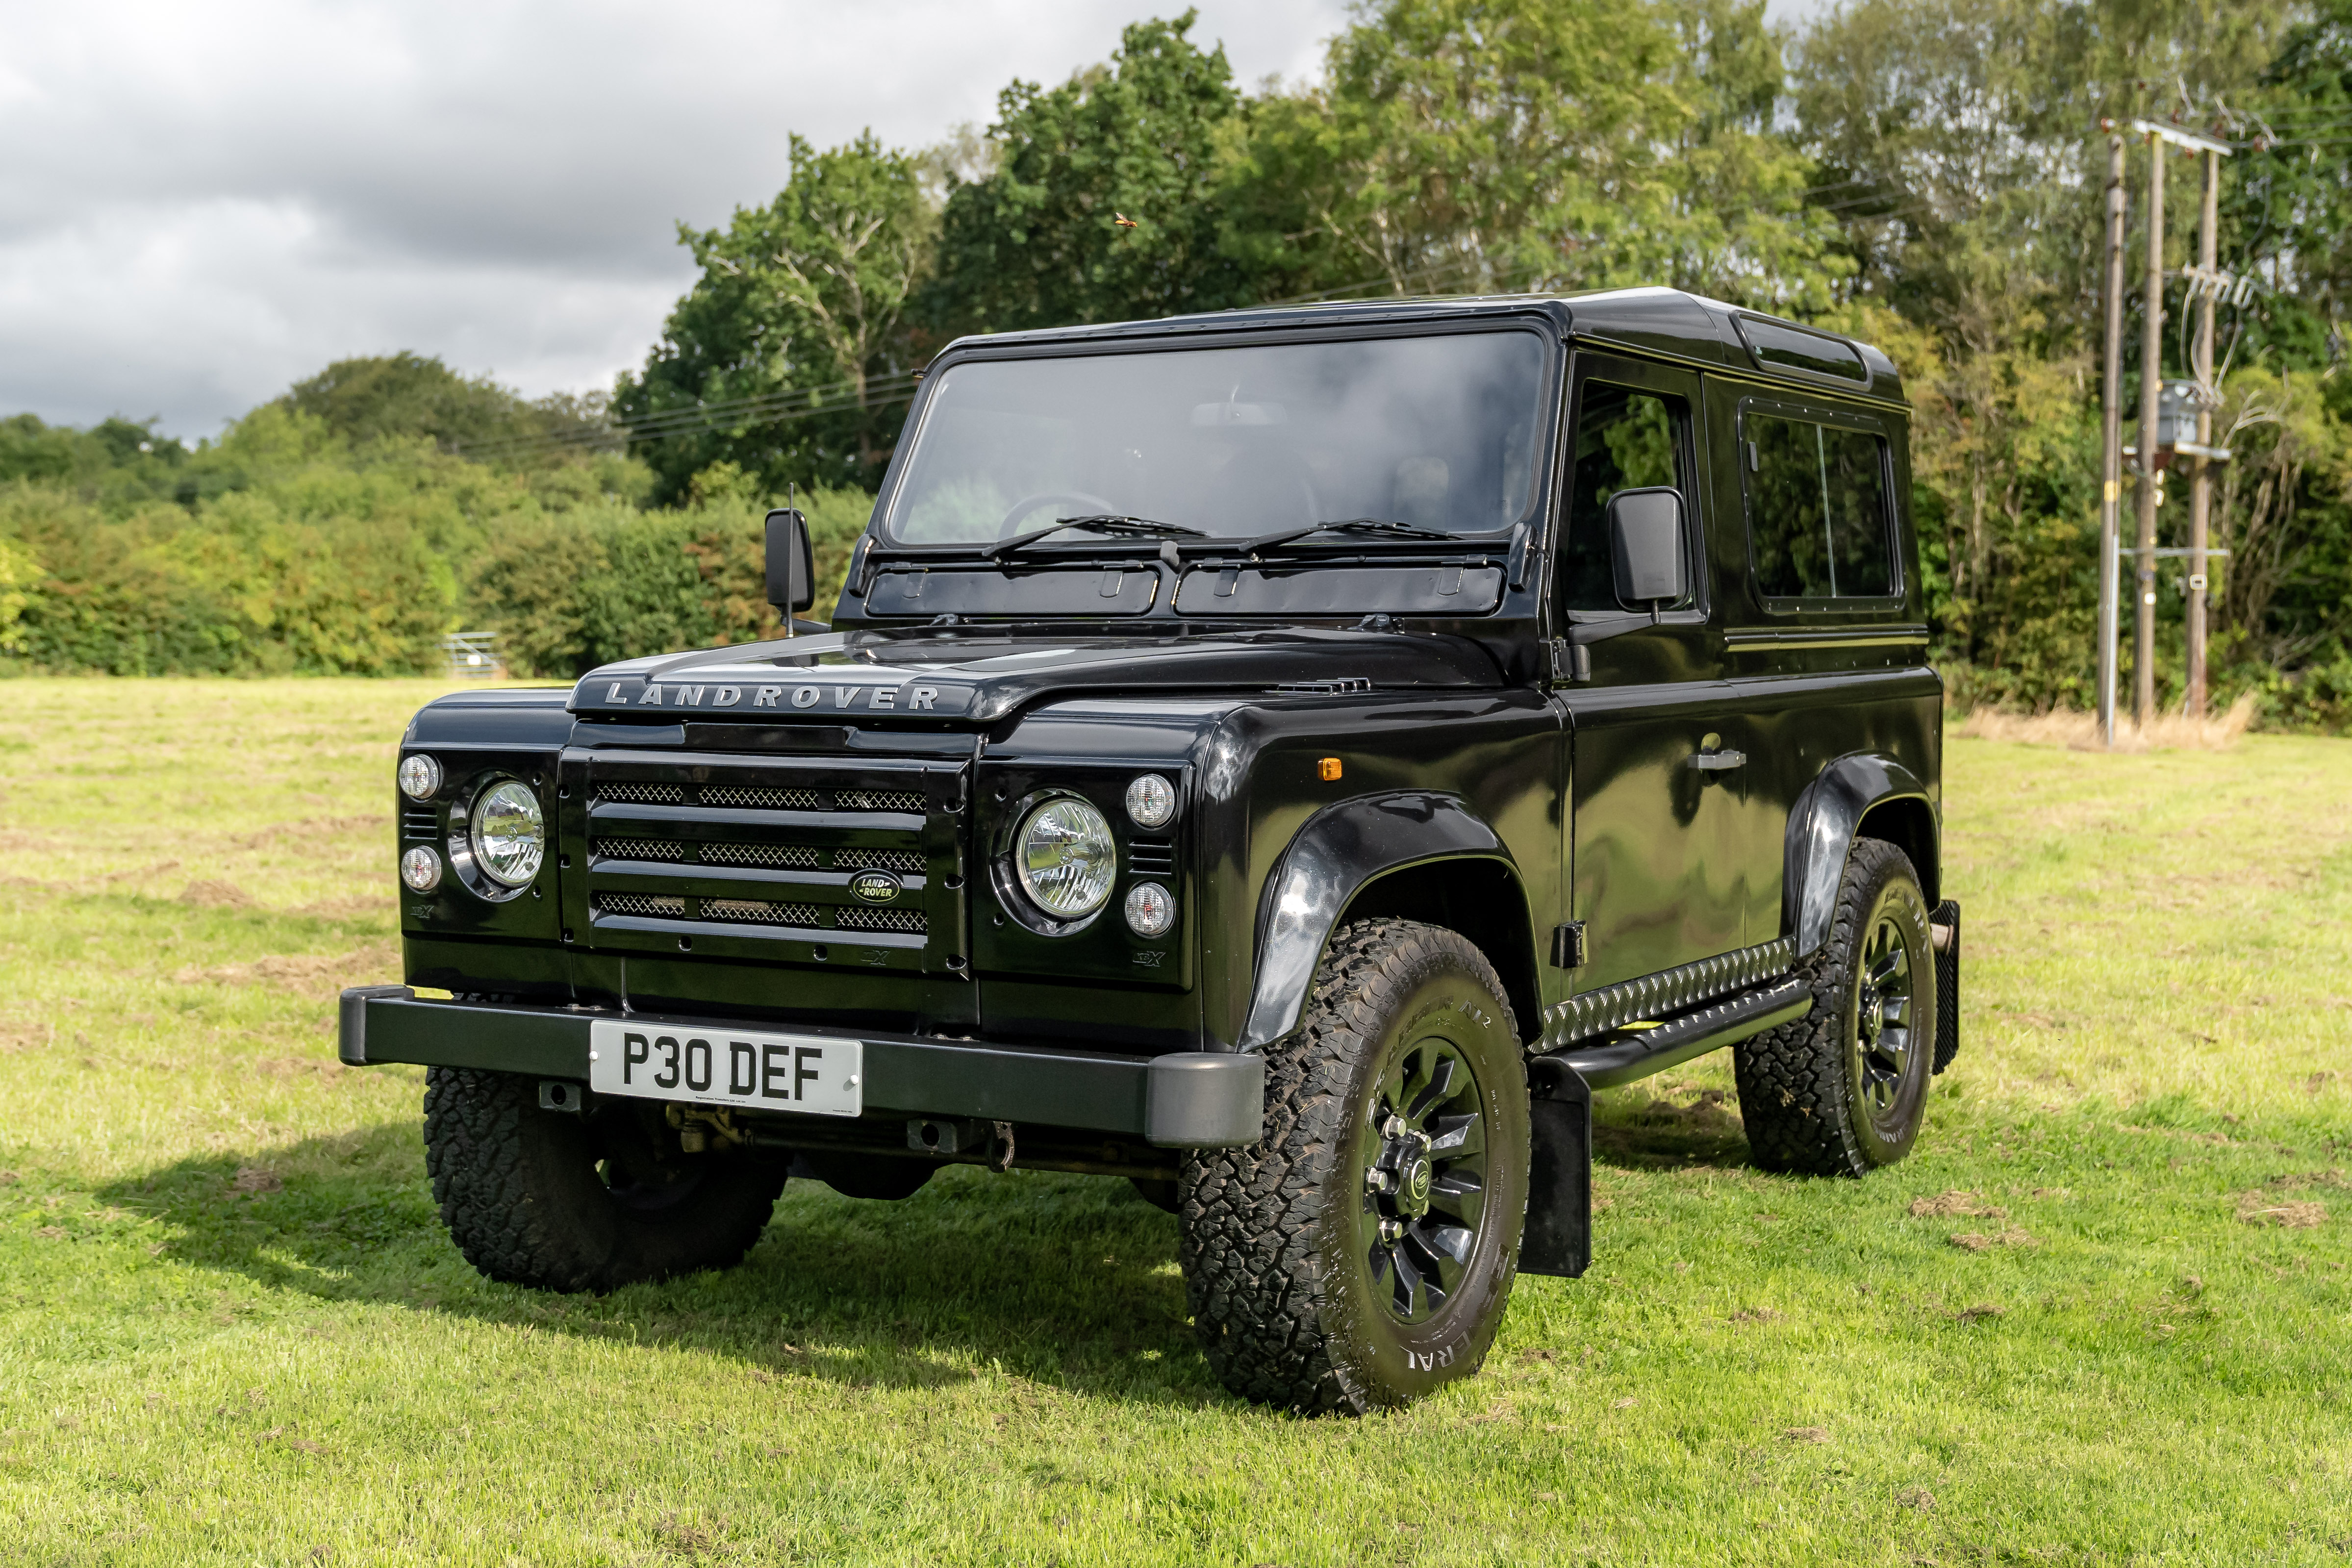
point(2111, 444)
point(2151, 380)
point(2201, 484)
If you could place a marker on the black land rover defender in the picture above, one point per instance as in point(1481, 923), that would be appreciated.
point(1286, 758)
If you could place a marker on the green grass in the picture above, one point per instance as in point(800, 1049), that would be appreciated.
point(232, 1330)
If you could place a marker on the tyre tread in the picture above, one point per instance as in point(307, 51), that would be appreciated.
point(1793, 1093)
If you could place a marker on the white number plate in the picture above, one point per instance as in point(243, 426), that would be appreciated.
point(818, 1074)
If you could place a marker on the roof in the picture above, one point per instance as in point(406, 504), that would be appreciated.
point(1657, 321)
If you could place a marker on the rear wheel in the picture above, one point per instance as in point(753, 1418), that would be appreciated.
point(570, 1202)
point(1361, 1252)
point(1844, 1089)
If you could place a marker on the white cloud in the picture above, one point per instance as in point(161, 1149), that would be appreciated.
point(203, 204)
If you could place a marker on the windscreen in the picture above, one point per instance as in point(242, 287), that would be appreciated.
point(1433, 431)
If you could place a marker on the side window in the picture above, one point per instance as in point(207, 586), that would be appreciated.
point(1817, 514)
point(1625, 439)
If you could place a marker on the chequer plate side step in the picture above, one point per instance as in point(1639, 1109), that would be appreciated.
point(1611, 1008)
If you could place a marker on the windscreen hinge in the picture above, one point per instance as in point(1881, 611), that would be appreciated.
point(1569, 661)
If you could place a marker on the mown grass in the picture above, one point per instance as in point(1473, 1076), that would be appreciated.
point(232, 1330)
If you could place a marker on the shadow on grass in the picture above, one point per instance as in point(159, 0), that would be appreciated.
point(1066, 1279)
point(1635, 1132)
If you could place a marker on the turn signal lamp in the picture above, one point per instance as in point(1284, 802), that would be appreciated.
point(1151, 910)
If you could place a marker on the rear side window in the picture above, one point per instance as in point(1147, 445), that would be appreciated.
point(1817, 514)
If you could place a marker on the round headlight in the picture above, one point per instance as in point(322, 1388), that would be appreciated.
point(419, 777)
point(421, 869)
point(1150, 800)
point(510, 834)
point(1065, 858)
point(1151, 910)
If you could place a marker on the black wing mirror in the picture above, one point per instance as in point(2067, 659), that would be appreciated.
point(792, 565)
point(1646, 545)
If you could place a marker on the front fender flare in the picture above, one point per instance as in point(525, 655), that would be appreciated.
point(1821, 829)
point(1340, 848)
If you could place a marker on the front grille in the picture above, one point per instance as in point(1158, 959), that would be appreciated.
point(630, 794)
point(641, 849)
point(907, 921)
point(771, 856)
point(760, 911)
point(906, 860)
point(766, 847)
point(761, 799)
point(645, 906)
point(878, 800)
point(1150, 857)
point(423, 823)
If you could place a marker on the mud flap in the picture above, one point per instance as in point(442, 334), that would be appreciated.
point(1558, 1237)
point(1947, 982)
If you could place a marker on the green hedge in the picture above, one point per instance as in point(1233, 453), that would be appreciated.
point(572, 592)
point(298, 552)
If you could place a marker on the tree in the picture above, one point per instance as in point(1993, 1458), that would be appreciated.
point(1102, 205)
point(784, 357)
point(1510, 144)
point(406, 395)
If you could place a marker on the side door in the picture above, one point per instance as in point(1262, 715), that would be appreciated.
point(1821, 622)
point(1658, 876)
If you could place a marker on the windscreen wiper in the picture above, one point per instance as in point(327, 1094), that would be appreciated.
point(1364, 525)
point(1097, 523)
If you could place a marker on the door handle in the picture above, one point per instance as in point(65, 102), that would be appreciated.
point(1718, 761)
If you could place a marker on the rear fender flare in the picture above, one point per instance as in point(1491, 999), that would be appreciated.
point(1822, 826)
point(1340, 849)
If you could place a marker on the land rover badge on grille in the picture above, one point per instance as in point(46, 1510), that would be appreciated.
point(876, 887)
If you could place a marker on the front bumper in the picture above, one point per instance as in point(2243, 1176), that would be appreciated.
point(1187, 1100)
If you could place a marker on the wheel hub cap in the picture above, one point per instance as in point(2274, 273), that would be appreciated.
point(1412, 1197)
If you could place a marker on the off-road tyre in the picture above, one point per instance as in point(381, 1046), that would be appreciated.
point(1280, 1241)
point(1817, 1096)
point(572, 1202)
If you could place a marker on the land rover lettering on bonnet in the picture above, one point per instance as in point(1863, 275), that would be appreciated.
point(1286, 760)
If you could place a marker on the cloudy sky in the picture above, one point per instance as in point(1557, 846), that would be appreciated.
point(202, 204)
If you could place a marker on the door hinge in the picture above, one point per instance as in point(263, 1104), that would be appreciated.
point(1568, 945)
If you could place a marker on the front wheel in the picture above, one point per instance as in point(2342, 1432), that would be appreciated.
point(1361, 1252)
point(583, 1203)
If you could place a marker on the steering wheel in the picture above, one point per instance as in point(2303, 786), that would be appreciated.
point(1092, 503)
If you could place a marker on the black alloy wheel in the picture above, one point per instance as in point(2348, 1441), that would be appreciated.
point(1883, 1039)
point(1423, 1149)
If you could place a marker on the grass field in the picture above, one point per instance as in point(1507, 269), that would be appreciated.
point(2103, 1315)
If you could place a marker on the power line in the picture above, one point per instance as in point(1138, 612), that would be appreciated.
point(793, 405)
